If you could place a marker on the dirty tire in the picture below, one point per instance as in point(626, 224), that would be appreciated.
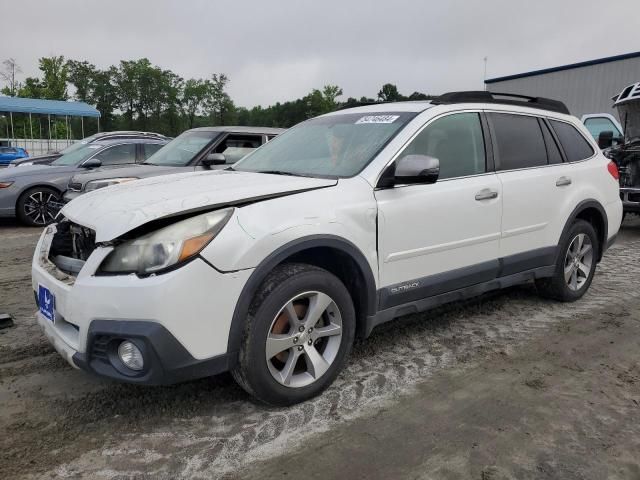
point(46, 195)
point(556, 287)
point(284, 283)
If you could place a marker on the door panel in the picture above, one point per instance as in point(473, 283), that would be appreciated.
point(530, 198)
point(442, 236)
point(425, 230)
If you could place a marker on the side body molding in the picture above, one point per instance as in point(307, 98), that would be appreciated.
point(278, 256)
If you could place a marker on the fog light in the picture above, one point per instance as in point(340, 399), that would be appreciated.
point(130, 355)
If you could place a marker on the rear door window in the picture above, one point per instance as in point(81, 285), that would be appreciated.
point(575, 146)
point(519, 141)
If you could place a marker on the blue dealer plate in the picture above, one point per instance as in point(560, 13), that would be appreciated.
point(47, 303)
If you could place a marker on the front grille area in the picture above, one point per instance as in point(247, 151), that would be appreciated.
point(100, 348)
point(71, 246)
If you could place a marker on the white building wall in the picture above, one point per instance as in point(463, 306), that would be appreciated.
point(584, 90)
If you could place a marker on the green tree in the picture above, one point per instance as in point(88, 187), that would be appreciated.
point(390, 93)
point(81, 75)
point(219, 103)
point(195, 97)
point(55, 74)
point(32, 88)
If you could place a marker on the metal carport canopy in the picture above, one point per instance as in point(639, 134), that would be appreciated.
point(47, 107)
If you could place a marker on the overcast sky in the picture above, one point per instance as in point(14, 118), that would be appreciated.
point(279, 50)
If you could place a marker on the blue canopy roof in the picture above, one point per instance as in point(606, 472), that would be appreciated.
point(47, 107)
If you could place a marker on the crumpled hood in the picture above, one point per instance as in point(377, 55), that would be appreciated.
point(116, 210)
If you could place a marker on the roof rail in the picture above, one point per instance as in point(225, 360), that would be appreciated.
point(511, 99)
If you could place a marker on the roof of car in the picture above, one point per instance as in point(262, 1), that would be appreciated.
point(117, 141)
point(237, 129)
point(409, 106)
point(129, 133)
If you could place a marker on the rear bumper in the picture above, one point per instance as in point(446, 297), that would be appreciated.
point(630, 199)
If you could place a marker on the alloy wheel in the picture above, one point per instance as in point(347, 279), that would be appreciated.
point(42, 207)
point(304, 339)
point(578, 262)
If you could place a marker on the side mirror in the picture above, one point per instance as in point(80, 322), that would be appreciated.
point(92, 163)
point(411, 169)
point(214, 159)
point(605, 139)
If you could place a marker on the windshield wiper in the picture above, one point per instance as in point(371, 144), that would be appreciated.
point(281, 172)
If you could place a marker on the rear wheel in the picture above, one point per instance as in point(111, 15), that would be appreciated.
point(575, 266)
point(38, 206)
point(299, 333)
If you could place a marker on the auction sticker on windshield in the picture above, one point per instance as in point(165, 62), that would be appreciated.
point(47, 303)
point(378, 119)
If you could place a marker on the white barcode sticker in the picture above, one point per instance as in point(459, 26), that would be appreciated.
point(378, 119)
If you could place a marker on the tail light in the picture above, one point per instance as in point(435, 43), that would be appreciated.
point(613, 170)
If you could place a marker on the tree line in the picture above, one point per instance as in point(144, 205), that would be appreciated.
point(138, 95)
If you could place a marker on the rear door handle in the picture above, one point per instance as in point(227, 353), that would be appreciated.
point(563, 182)
point(486, 194)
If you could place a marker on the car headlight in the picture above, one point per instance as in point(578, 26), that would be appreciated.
point(96, 184)
point(169, 246)
point(25, 164)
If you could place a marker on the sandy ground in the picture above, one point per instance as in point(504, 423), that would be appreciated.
point(505, 386)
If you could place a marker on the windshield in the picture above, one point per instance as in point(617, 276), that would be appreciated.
point(182, 149)
point(79, 144)
point(333, 146)
point(78, 155)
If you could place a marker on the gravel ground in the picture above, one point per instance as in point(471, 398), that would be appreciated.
point(482, 389)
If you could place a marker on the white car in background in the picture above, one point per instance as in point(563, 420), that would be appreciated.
point(272, 267)
point(605, 125)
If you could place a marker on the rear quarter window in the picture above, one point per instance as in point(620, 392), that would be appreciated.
point(575, 146)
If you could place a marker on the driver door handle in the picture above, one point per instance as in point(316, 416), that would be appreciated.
point(486, 194)
point(563, 182)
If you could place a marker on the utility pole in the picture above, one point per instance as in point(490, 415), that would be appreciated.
point(485, 72)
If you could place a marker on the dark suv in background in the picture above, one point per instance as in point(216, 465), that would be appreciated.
point(206, 148)
point(98, 137)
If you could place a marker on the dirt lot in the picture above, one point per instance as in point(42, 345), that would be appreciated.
point(506, 386)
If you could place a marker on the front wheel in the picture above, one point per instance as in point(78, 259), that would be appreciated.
point(575, 266)
point(299, 333)
point(38, 206)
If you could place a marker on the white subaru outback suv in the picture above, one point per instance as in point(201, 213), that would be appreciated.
point(271, 268)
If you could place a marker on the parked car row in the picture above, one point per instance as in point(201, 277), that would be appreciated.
point(271, 267)
point(103, 136)
point(35, 191)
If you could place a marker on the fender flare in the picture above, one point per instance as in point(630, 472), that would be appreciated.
point(278, 256)
point(582, 206)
